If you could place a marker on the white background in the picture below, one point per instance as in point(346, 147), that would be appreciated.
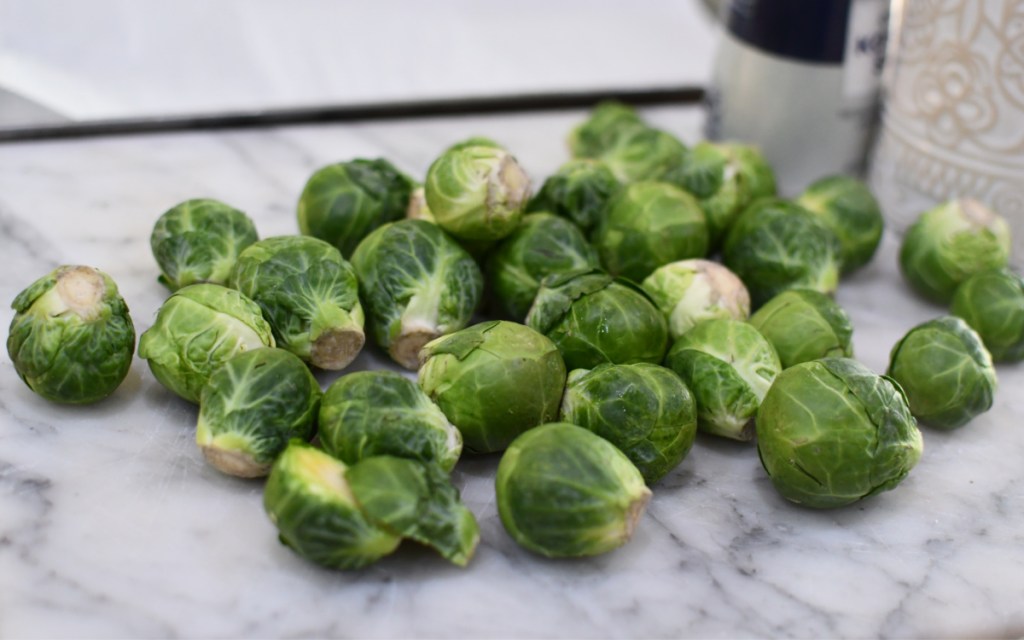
point(124, 58)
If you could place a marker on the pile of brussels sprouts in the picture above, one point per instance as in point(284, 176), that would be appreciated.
point(611, 337)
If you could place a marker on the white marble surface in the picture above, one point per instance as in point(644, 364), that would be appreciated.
point(111, 524)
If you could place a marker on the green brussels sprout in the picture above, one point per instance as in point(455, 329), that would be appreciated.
point(579, 190)
point(417, 501)
point(594, 319)
point(992, 303)
point(691, 291)
point(776, 245)
point(198, 241)
point(849, 208)
point(643, 409)
point(373, 413)
point(647, 225)
point(342, 203)
point(563, 491)
point(417, 284)
point(308, 294)
point(347, 517)
point(477, 191)
point(598, 134)
point(493, 381)
point(544, 244)
point(728, 366)
point(634, 151)
point(197, 329)
point(804, 325)
point(315, 510)
point(725, 177)
point(950, 243)
point(252, 406)
point(71, 339)
point(945, 371)
point(830, 432)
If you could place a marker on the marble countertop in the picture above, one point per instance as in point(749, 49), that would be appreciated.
point(112, 525)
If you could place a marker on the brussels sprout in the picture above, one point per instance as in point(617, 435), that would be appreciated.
point(417, 501)
point(830, 432)
point(493, 381)
point(804, 325)
point(595, 320)
point(544, 244)
point(417, 284)
point(308, 293)
point(728, 366)
point(691, 291)
point(643, 409)
point(598, 134)
point(252, 406)
point(945, 371)
point(992, 302)
point(342, 203)
point(373, 413)
point(776, 245)
point(198, 241)
point(724, 177)
point(197, 329)
point(950, 243)
point(579, 190)
point(477, 191)
point(849, 208)
point(616, 136)
point(309, 500)
point(647, 225)
point(563, 491)
point(71, 339)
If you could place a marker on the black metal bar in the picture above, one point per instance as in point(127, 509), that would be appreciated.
point(355, 113)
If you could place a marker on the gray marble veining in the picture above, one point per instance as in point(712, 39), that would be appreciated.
point(112, 525)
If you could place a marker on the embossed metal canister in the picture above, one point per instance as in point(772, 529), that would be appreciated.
point(953, 111)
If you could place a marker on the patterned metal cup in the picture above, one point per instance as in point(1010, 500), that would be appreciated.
point(953, 110)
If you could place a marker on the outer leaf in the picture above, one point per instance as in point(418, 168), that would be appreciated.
point(308, 498)
point(417, 501)
point(544, 244)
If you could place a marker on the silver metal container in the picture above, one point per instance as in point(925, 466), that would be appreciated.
point(799, 79)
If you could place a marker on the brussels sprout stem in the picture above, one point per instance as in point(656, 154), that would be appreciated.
point(234, 463)
point(634, 511)
point(337, 337)
point(81, 291)
point(509, 186)
point(419, 326)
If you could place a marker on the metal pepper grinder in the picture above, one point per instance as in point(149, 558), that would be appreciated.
point(799, 79)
